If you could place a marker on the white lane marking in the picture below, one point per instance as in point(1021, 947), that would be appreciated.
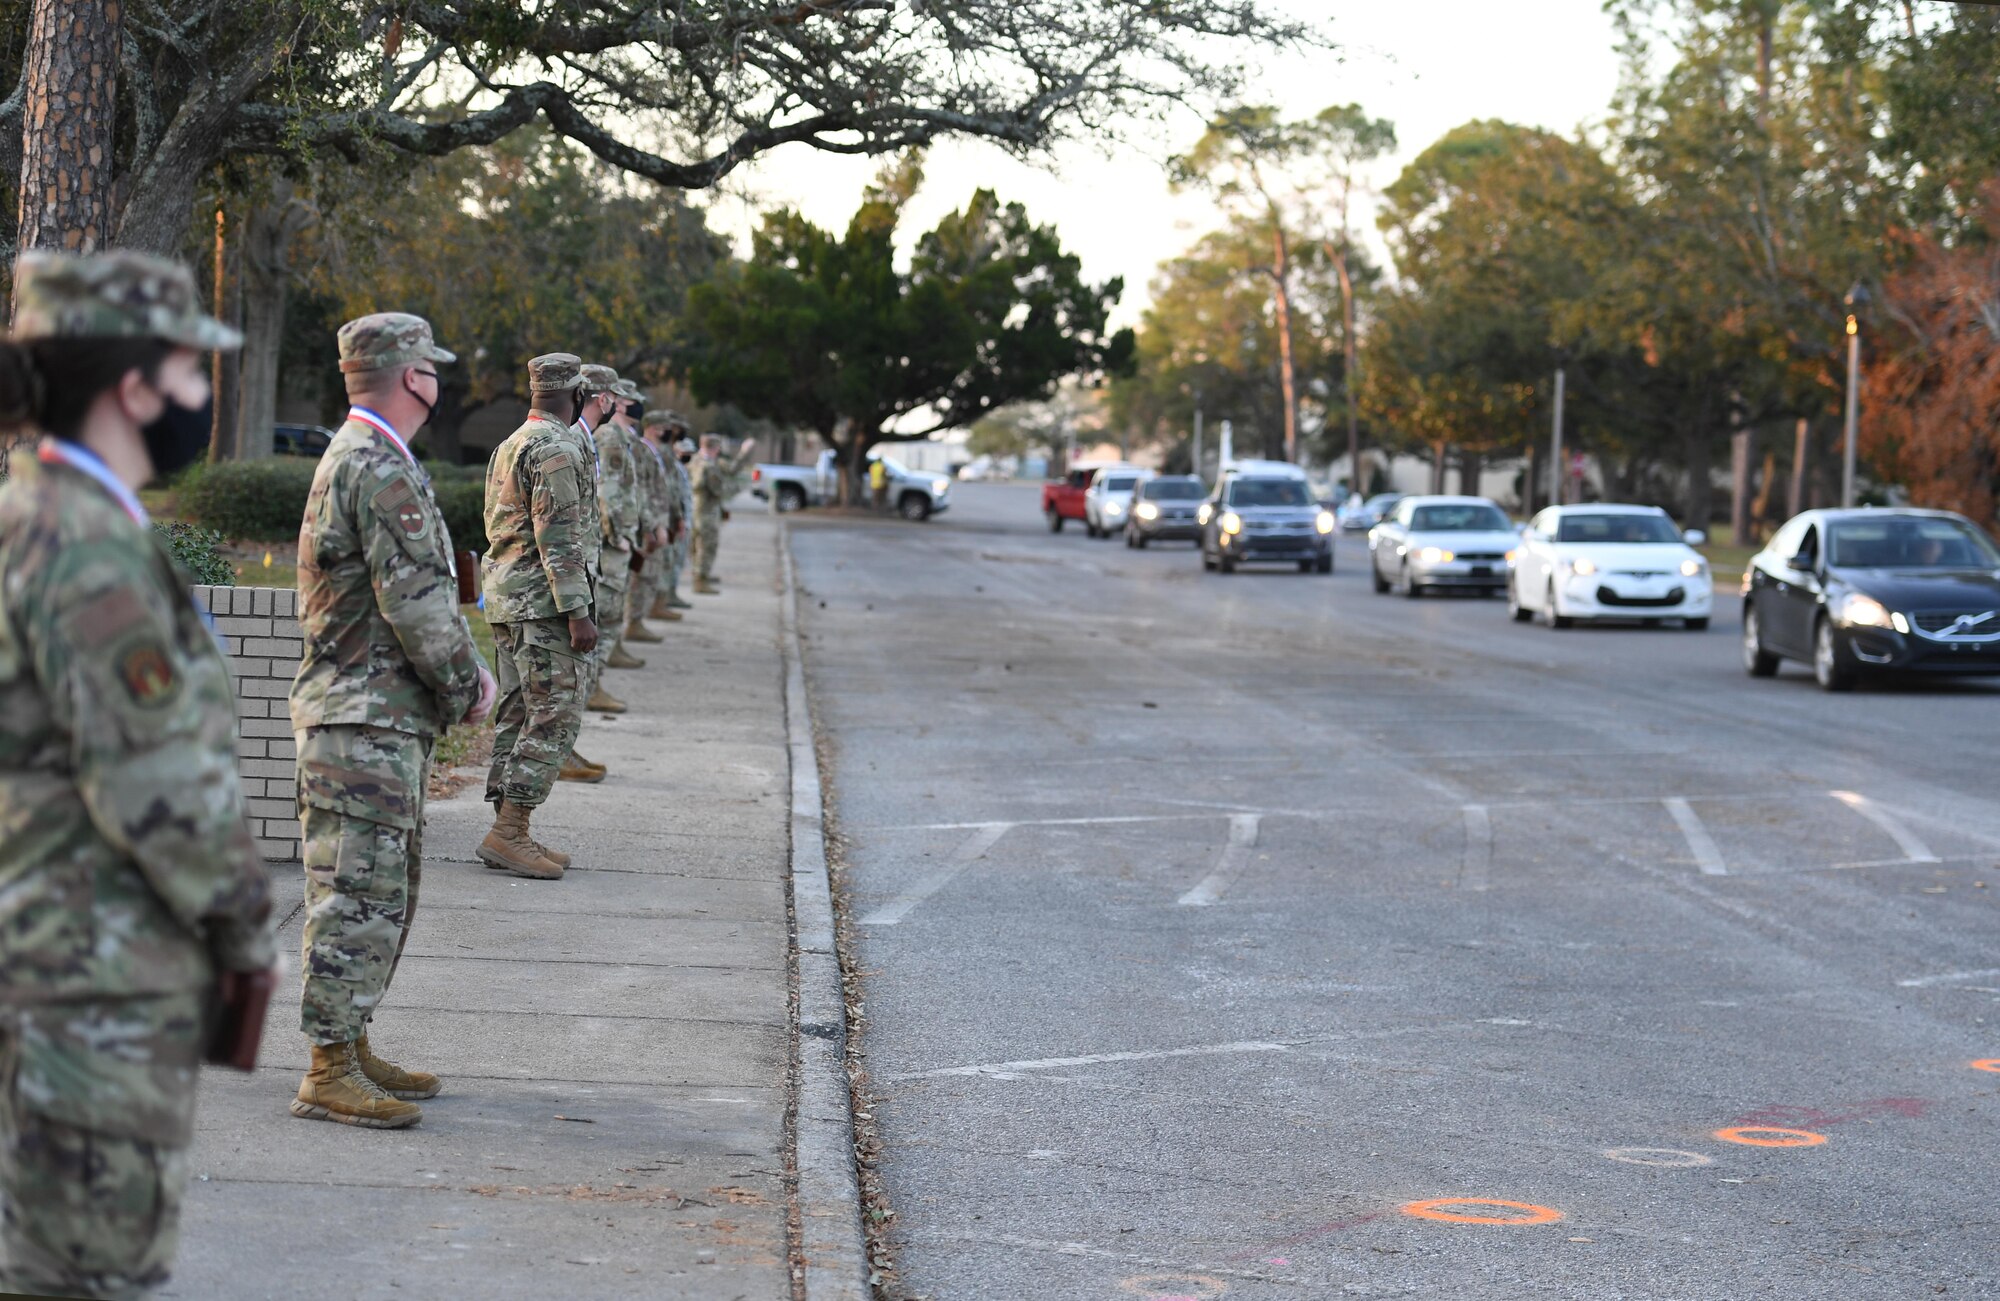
point(1235, 857)
point(1478, 865)
point(1948, 978)
point(1914, 849)
point(1008, 1070)
point(971, 851)
point(1700, 843)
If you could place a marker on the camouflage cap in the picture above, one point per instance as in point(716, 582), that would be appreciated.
point(555, 372)
point(684, 445)
point(115, 295)
point(385, 339)
point(660, 419)
point(599, 379)
point(626, 389)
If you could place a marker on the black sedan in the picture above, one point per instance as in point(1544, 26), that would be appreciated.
point(1854, 592)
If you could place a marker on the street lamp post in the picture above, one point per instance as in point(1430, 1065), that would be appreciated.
point(1557, 472)
point(1857, 299)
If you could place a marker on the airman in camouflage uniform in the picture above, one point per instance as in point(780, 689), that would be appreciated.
point(592, 409)
point(389, 665)
point(541, 527)
point(128, 879)
point(618, 518)
point(660, 471)
point(649, 495)
point(679, 449)
point(715, 483)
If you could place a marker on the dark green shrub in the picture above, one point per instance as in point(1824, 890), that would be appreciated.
point(200, 551)
point(260, 501)
point(463, 504)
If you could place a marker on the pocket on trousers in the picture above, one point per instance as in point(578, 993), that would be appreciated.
point(350, 853)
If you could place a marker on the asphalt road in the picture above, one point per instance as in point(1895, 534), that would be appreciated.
point(1213, 924)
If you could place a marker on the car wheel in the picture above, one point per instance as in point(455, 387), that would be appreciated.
point(1696, 625)
point(1411, 588)
point(1225, 562)
point(791, 497)
point(1306, 566)
point(1556, 619)
point(914, 507)
point(1520, 612)
point(1828, 671)
point(1207, 561)
point(1324, 565)
point(1757, 662)
point(1375, 572)
point(1055, 522)
point(1140, 540)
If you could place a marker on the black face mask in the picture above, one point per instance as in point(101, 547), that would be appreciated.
point(685, 457)
point(635, 411)
point(179, 437)
point(576, 406)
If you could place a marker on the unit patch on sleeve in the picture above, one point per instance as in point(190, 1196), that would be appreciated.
point(147, 674)
point(398, 504)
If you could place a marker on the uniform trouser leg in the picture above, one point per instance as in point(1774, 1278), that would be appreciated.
point(676, 562)
point(93, 1146)
point(361, 791)
point(612, 591)
point(707, 533)
point(645, 586)
point(542, 690)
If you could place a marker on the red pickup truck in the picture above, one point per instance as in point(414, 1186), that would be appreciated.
point(1063, 498)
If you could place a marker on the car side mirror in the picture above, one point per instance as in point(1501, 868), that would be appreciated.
point(1695, 537)
point(1801, 561)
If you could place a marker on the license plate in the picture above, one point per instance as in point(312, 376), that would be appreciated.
point(1482, 571)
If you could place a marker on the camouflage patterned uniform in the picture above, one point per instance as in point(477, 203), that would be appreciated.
point(127, 875)
point(541, 532)
point(389, 665)
point(618, 521)
point(684, 505)
point(657, 486)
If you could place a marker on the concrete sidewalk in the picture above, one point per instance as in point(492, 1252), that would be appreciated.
point(615, 1046)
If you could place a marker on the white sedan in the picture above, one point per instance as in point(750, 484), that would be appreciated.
point(1609, 562)
point(1441, 542)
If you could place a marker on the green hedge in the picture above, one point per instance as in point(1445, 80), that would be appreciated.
point(250, 501)
point(263, 501)
point(200, 550)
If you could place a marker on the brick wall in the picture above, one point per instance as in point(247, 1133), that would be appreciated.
point(259, 627)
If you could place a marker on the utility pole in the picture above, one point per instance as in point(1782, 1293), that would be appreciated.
point(1557, 468)
point(1197, 437)
point(1857, 298)
point(1226, 451)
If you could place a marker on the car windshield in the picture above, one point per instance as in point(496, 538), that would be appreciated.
point(1905, 543)
point(1123, 483)
point(1617, 528)
point(1174, 490)
point(1269, 492)
point(1459, 517)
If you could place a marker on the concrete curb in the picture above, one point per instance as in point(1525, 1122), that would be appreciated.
point(832, 1245)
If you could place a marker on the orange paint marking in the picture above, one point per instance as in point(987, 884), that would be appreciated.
point(1747, 1135)
point(1987, 1064)
point(1434, 1209)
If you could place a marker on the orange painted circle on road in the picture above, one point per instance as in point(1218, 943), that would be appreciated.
point(1434, 1209)
point(1987, 1064)
point(1749, 1136)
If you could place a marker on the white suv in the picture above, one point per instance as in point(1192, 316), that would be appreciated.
point(1109, 497)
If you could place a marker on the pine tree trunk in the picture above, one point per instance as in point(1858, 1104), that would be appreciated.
point(267, 282)
point(1281, 273)
point(67, 124)
point(1470, 466)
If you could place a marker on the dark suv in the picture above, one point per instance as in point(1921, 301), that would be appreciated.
point(1265, 516)
point(1163, 509)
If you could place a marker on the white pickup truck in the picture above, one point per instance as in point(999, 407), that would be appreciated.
point(912, 495)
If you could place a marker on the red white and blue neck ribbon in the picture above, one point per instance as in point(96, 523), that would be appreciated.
point(362, 415)
point(56, 451)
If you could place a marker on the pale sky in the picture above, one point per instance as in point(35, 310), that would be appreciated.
point(1426, 65)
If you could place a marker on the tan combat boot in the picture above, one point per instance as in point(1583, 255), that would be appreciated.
point(575, 770)
point(604, 702)
point(706, 587)
point(335, 1088)
point(394, 1080)
point(636, 631)
point(665, 610)
point(620, 658)
point(509, 846)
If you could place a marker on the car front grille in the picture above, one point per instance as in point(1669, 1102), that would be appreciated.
point(1482, 556)
point(1674, 596)
point(1933, 622)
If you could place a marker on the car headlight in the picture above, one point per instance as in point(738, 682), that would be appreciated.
point(1693, 569)
point(1231, 522)
point(1146, 510)
point(1583, 567)
point(1512, 556)
point(940, 486)
point(1203, 513)
point(1325, 521)
point(1864, 611)
point(1433, 556)
point(1113, 508)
